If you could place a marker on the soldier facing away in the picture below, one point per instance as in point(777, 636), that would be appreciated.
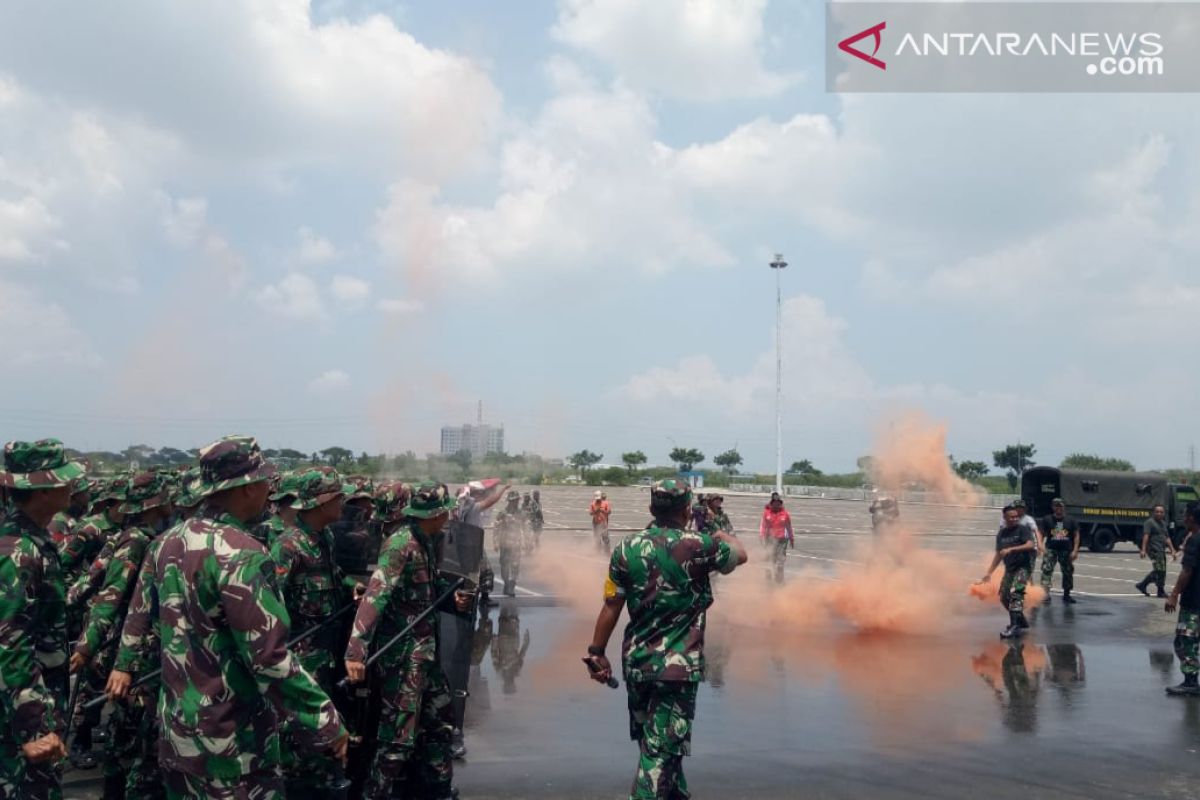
point(33, 626)
point(413, 756)
point(509, 535)
point(663, 575)
point(228, 678)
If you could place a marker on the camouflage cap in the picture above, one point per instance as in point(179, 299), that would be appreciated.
point(38, 465)
point(390, 500)
point(81, 485)
point(358, 487)
point(287, 486)
point(233, 461)
point(114, 489)
point(191, 490)
point(429, 500)
point(148, 490)
point(671, 493)
point(315, 487)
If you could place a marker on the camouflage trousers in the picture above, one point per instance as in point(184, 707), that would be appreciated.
point(660, 721)
point(20, 780)
point(1158, 571)
point(1065, 564)
point(266, 785)
point(1012, 589)
point(132, 747)
point(1187, 641)
point(415, 726)
point(510, 565)
point(307, 772)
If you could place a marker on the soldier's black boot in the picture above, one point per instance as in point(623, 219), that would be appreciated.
point(81, 754)
point(1161, 593)
point(1014, 628)
point(458, 747)
point(1068, 600)
point(1189, 688)
point(1022, 623)
point(1141, 587)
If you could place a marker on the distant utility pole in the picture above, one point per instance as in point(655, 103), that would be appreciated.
point(1192, 458)
point(778, 265)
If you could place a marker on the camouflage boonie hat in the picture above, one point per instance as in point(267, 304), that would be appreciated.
point(191, 489)
point(114, 489)
point(315, 487)
point(233, 461)
point(358, 487)
point(390, 500)
point(287, 486)
point(146, 491)
point(429, 500)
point(514, 495)
point(81, 485)
point(671, 493)
point(38, 465)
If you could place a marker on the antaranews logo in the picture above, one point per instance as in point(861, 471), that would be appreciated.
point(847, 45)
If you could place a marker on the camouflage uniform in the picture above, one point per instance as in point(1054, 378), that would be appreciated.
point(33, 628)
point(227, 676)
point(313, 589)
point(662, 574)
point(138, 655)
point(88, 537)
point(416, 722)
point(537, 520)
point(105, 619)
point(508, 543)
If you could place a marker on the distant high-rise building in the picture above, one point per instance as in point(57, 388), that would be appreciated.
point(479, 439)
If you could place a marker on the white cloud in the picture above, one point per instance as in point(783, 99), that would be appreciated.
point(348, 291)
point(40, 332)
point(185, 223)
point(26, 229)
point(295, 297)
point(399, 308)
point(692, 49)
point(328, 382)
point(260, 80)
point(314, 249)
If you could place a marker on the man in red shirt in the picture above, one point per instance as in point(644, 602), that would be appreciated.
point(600, 511)
point(776, 530)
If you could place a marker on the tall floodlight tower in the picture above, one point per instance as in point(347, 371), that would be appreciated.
point(778, 265)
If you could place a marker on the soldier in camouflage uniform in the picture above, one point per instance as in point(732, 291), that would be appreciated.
point(88, 537)
point(1186, 597)
point(413, 758)
point(537, 519)
point(508, 543)
point(662, 575)
point(281, 515)
point(227, 676)
point(146, 506)
point(33, 627)
point(716, 519)
point(139, 655)
point(63, 523)
point(1016, 548)
point(313, 590)
point(86, 555)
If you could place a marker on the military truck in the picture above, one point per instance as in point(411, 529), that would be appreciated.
point(1110, 506)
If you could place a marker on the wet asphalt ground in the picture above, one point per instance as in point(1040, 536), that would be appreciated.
point(1076, 710)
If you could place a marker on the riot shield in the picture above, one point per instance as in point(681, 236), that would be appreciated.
point(461, 553)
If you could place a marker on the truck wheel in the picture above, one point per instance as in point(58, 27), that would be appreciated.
point(1103, 540)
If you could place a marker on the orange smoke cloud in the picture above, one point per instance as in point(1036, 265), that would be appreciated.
point(912, 450)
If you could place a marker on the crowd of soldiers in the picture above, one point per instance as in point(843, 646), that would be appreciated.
point(230, 620)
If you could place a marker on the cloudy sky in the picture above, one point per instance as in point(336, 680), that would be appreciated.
point(345, 222)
